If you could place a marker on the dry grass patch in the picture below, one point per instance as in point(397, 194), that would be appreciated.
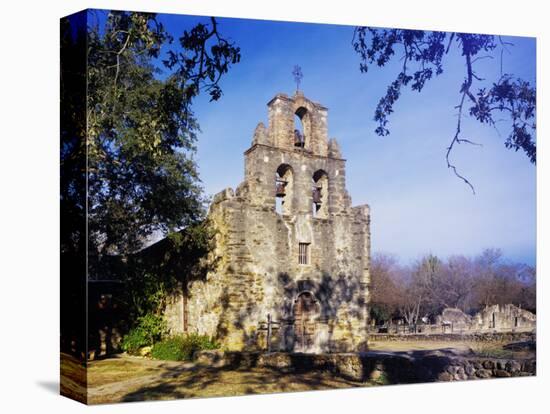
point(73, 378)
point(135, 379)
point(405, 346)
point(120, 369)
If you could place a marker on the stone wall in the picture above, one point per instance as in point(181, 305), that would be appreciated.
point(478, 368)
point(466, 337)
point(282, 110)
point(495, 317)
point(256, 265)
point(387, 368)
point(505, 317)
point(455, 318)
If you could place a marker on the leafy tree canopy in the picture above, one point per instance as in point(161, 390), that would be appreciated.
point(423, 56)
point(141, 130)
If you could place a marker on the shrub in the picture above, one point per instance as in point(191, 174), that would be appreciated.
point(148, 330)
point(133, 340)
point(181, 348)
point(154, 327)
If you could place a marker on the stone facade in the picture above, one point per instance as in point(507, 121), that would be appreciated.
point(498, 318)
point(454, 318)
point(505, 317)
point(493, 318)
point(288, 244)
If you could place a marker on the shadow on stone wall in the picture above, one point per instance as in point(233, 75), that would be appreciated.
point(122, 288)
point(334, 294)
point(235, 324)
point(331, 293)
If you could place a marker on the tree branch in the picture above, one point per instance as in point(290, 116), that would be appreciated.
point(456, 140)
point(449, 44)
point(118, 61)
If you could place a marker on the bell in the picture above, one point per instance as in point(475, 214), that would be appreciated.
point(316, 195)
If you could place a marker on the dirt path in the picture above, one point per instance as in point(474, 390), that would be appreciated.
point(404, 346)
point(464, 348)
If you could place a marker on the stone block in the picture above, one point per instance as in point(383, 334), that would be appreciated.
point(445, 376)
point(460, 377)
point(483, 373)
point(452, 369)
point(513, 366)
point(145, 351)
point(375, 375)
point(215, 358)
point(277, 360)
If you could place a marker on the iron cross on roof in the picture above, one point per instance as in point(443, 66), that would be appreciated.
point(298, 75)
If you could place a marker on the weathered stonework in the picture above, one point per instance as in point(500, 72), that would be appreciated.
point(505, 317)
point(316, 294)
point(382, 368)
point(497, 318)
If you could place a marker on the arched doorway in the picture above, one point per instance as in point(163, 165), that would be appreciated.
point(306, 312)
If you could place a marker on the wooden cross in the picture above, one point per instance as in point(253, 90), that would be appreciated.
point(269, 328)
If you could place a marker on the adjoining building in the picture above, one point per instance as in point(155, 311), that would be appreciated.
point(292, 256)
point(493, 318)
point(504, 318)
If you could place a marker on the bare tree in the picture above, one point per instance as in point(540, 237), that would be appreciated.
point(429, 285)
point(456, 282)
point(385, 294)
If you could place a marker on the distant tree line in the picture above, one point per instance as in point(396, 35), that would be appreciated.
point(429, 285)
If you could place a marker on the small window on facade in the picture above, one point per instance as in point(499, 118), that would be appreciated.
point(303, 253)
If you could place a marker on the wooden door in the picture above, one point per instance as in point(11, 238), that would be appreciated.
point(305, 313)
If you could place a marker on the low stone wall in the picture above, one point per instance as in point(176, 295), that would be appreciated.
point(472, 336)
point(464, 369)
point(392, 368)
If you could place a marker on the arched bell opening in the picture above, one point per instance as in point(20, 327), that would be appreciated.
point(302, 128)
point(319, 194)
point(284, 185)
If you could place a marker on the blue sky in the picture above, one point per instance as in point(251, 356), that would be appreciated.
point(418, 206)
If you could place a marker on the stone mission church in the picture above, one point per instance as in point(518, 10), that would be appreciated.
point(289, 247)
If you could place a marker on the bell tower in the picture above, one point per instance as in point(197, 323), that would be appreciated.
point(288, 243)
point(295, 168)
point(283, 111)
